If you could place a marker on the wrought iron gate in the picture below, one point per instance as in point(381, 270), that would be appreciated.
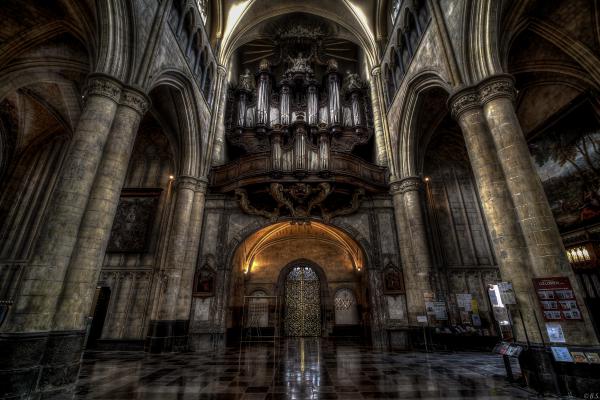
point(302, 302)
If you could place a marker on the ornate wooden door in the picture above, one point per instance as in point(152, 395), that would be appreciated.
point(303, 302)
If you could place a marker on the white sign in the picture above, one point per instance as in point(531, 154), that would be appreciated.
point(439, 310)
point(555, 333)
point(422, 318)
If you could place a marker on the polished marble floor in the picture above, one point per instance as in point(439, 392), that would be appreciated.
point(299, 369)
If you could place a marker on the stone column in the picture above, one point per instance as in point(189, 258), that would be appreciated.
point(546, 251)
point(166, 332)
point(501, 219)
point(217, 127)
point(379, 119)
point(184, 298)
point(86, 262)
point(25, 333)
point(414, 248)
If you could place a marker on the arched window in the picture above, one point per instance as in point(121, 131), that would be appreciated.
point(395, 10)
point(412, 32)
point(399, 69)
point(391, 87)
point(207, 83)
point(203, 9)
point(346, 311)
point(204, 283)
point(423, 15)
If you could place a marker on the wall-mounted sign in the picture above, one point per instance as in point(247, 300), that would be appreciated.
point(422, 319)
point(561, 354)
point(463, 300)
point(555, 333)
point(557, 298)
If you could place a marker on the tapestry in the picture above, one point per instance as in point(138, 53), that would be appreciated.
point(567, 158)
point(133, 223)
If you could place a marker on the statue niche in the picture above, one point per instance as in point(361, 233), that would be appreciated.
point(393, 280)
point(204, 282)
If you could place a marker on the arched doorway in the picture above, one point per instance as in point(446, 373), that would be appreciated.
point(302, 316)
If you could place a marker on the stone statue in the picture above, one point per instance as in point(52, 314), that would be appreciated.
point(352, 82)
point(246, 81)
point(299, 65)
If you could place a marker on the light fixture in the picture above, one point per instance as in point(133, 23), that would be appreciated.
point(171, 177)
point(426, 179)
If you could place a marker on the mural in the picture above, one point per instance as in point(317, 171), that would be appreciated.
point(567, 158)
point(133, 223)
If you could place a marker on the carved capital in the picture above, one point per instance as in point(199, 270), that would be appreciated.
point(103, 85)
point(221, 70)
point(376, 71)
point(186, 183)
point(202, 185)
point(463, 100)
point(499, 86)
point(404, 185)
point(136, 100)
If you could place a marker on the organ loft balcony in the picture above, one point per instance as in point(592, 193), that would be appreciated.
point(299, 125)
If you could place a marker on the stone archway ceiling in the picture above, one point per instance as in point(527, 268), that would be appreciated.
point(245, 20)
point(288, 231)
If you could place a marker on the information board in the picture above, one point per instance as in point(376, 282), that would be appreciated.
point(557, 299)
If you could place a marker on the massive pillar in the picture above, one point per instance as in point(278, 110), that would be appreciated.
point(26, 346)
point(546, 251)
point(507, 238)
point(86, 262)
point(184, 298)
point(414, 248)
point(525, 236)
point(379, 121)
point(166, 332)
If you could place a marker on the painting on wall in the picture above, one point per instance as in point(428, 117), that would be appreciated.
point(204, 284)
point(133, 221)
point(393, 280)
point(567, 158)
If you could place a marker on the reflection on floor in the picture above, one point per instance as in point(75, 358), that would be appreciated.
point(300, 369)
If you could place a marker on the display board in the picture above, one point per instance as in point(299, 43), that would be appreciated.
point(557, 298)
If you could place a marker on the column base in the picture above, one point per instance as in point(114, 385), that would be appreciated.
point(42, 365)
point(545, 375)
point(166, 336)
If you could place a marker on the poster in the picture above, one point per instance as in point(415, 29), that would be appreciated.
point(476, 320)
point(555, 333)
point(422, 319)
point(463, 300)
point(557, 298)
point(561, 354)
point(439, 310)
point(507, 294)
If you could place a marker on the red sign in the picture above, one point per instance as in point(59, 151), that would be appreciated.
point(557, 298)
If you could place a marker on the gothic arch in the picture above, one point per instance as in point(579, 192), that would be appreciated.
point(189, 137)
point(407, 153)
point(250, 16)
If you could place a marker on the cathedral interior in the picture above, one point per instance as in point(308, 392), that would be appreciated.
point(281, 199)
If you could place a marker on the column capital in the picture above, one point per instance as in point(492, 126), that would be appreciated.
point(191, 183)
point(497, 86)
point(463, 100)
point(376, 70)
point(221, 70)
point(103, 85)
point(135, 99)
point(406, 184)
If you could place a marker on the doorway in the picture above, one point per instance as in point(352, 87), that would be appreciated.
point(100, 310)
point(302, 302)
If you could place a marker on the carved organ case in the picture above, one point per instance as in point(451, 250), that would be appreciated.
point(299, 124)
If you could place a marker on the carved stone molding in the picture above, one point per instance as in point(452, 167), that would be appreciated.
point(462, 101)
point(103, 85)
point(404, 185)
point(186, 182)
point(497, 87)
point(473, 97)
point(135, 99)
